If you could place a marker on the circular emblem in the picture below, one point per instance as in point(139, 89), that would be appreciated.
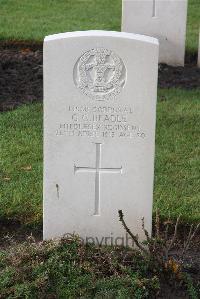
point(100, 74)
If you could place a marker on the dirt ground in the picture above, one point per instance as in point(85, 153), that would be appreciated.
point(21, 75)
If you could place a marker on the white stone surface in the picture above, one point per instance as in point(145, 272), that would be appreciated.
point(163, 19)
point(198, 62)
point(99, 130)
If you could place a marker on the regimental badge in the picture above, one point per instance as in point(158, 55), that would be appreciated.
point(100, 74)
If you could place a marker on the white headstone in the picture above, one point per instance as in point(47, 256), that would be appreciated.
point(198, 62)
point(99, 126)
point(163, 19)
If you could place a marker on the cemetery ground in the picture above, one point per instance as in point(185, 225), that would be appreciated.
point(67, 268)
point(176, 193)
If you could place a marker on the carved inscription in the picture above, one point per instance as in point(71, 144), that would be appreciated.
point(100, 121)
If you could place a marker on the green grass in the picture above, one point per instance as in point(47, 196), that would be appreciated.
point(177, 181)
point(31, 20)
point(21, 149)
point(193, 23)
point(35, 19)
point(177, 176)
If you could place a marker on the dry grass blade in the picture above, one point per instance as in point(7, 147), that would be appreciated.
point(191, 235)
point(134, 237)
point(173, 238)
point(157, 223)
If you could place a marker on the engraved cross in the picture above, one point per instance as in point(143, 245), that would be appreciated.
point(98, 170)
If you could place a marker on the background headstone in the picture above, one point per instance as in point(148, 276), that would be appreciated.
point(99, 130)
point(163, 19)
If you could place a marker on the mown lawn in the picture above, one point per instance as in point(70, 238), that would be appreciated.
point(177, 163)
point(32, 20)
point(177, 179)
point(21, 164)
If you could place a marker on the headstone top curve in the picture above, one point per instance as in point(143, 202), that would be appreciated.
point(103, 33)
